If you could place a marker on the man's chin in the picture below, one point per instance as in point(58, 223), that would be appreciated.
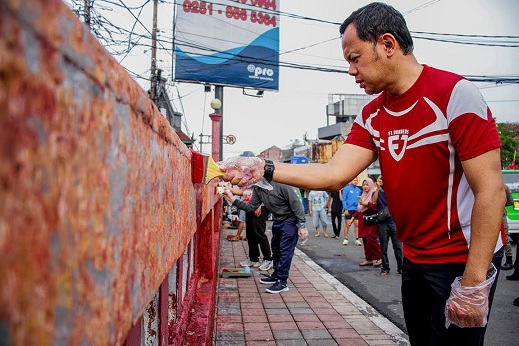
point(370, 91)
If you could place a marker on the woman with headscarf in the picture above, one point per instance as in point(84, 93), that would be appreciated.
point(368, 232)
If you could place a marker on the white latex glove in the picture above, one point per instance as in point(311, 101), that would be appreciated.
point(244, 171)
point(303, 233)
point(467, 307)
point(228, 195)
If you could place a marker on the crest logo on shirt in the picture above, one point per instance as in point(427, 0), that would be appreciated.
point(399, 140)
point(397, 143)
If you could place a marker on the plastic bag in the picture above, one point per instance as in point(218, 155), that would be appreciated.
point(249, 168)
point(467, 307)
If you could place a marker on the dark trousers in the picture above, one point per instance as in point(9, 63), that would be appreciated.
point(387, 231)
point(284, 241)
point(516, 262)
point(256, 236)
point(336, 223)
point(425, 290)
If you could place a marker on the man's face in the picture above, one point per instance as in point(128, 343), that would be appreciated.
point(365, 61)
point(355, 181)
point(380, 182)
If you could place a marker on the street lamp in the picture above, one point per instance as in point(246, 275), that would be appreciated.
point(216, 104)
point(216, 140)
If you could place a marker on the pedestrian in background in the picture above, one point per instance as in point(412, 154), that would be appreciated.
point(336, 212)
point(242, 216)
point(508, 247)
point(386, 231)
point(368, 232)
point(350, 202)
point(255, 225)
point(288, 226)
point(317, 205)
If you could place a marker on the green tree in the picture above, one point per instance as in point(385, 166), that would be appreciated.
point(508, 144)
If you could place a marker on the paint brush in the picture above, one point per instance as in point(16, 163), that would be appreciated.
point(203, 168)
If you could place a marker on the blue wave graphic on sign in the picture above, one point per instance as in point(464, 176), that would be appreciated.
point(268, 40)
point(255, 65)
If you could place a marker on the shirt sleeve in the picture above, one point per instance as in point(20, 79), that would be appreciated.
point(250, 206)
point(471, 126)
point(295, 204)
point(360, 133)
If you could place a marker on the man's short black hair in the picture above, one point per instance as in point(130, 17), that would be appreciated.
point(376, 19)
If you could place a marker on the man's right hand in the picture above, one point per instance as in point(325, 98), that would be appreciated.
point(242, 171)
point(303, 233)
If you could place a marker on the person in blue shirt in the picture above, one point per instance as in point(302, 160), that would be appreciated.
point(350, 202)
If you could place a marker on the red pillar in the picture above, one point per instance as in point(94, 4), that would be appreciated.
point(215, 153)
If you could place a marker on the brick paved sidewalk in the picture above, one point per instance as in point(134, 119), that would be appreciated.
point(313, 312)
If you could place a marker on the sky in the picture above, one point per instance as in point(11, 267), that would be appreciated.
point(299, 107)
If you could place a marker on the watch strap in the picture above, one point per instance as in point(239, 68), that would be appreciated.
point(269, 170)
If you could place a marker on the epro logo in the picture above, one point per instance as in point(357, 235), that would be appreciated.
point(258, 71)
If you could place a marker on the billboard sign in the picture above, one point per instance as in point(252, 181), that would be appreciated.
point(234, 43)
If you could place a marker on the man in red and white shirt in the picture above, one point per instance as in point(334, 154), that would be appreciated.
point(438, 146)
point(421, 139)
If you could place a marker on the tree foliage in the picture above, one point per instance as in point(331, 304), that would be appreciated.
point(508, 144)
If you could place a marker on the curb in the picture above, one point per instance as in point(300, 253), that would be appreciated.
point(395, 333)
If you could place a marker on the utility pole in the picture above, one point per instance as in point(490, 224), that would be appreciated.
point(87, 12)
point(154, 51)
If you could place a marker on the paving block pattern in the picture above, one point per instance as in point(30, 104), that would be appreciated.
point(312, 312)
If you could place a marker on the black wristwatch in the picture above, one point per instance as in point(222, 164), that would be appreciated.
point(269, 170)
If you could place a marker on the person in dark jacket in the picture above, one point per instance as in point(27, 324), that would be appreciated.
point(386, 231)
point(508, 247)
point(289, 225)
point(336, 212)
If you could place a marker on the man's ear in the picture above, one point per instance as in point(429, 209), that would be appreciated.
point(389, 42)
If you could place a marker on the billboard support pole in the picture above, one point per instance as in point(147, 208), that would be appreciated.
point(218, 93)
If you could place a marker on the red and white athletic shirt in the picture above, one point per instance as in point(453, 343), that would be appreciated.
point(421, 137)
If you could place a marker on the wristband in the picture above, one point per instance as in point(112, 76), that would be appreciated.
point(302, 225)
point(269, 170)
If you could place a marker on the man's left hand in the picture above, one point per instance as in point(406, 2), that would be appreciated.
point(467, 307)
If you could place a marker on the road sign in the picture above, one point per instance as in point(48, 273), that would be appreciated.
point(230, 139)
point(298, 159)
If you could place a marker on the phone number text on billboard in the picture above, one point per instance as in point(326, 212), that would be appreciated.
point(232, 12)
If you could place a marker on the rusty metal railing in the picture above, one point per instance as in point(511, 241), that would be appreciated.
point(98, 213)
